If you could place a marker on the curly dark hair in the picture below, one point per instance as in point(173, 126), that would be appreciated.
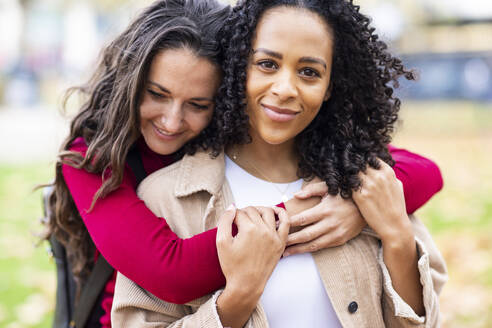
point(108, 120)
point(353, 128)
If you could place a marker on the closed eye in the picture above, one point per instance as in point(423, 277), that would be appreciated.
point(156, 94)
point(198, 106)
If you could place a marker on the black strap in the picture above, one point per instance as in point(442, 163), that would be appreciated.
point(91, 291)
point(134, 160)
point(65, 289)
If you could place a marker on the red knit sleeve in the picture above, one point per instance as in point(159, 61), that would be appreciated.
point(421, 177)
point(142, 246)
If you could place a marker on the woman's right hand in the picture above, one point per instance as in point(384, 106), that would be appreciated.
point(248, 259)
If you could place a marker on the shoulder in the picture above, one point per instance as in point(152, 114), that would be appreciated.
point(68, 170)
point(183, 184)
point(78, 145)
point(159, 181)
point(191, 174)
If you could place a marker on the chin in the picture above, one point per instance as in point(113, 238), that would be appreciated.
point(164, 150)
point(273, 139)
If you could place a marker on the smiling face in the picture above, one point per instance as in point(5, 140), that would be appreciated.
point(177, 99)
point(288, 73)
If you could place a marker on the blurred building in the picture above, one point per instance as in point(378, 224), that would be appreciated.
point(448, 43)
point(48, 45)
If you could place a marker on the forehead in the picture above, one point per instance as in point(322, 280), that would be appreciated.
point(182, 70)
point(294, 29)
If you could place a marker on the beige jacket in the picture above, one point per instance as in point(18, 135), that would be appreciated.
point(195, 187)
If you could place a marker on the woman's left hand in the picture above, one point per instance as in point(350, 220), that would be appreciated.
point(382, 203)
point(332, 222)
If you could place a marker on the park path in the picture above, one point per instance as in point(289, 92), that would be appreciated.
point(30, 135)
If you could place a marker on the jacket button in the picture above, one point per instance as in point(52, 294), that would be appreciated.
point(353, 306)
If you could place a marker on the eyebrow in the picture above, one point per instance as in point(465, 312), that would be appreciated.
point(269, 52)
point(167, 91)
point(302, 60)
point(313, 60)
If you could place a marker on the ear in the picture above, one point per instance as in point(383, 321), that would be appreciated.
point(328, 92)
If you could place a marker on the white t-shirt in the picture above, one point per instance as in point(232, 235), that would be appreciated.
point(294, 296)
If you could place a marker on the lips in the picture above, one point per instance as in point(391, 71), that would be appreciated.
point(278, 114)
point(163, 134)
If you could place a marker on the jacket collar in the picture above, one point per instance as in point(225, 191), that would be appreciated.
point(200, 172)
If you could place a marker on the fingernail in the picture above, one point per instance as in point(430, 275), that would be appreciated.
point(300, 193)
point(231, 207)
point(286, 254)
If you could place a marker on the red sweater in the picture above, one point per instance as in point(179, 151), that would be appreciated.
point(144, 248)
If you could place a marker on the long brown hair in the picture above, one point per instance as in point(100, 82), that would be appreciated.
point(108, 120)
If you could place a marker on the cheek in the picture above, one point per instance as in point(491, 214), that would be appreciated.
point(311, 115)
point(255, 84)
point(199, 122)
point(312, 103)
point(207, 120)
point(314, 99)
point(143, 116)
point(146, 110)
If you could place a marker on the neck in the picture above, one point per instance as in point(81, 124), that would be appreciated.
point(274, 163)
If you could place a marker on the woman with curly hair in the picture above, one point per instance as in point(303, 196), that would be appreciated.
point(306, 93)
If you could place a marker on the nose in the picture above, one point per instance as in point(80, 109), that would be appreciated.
point(284, 86)
point(172, 119)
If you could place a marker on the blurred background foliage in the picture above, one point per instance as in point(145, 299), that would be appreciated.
point(48, 45)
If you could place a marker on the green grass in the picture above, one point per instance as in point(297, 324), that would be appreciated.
point(26, 272)
point(457, 136)
point(442, 218)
